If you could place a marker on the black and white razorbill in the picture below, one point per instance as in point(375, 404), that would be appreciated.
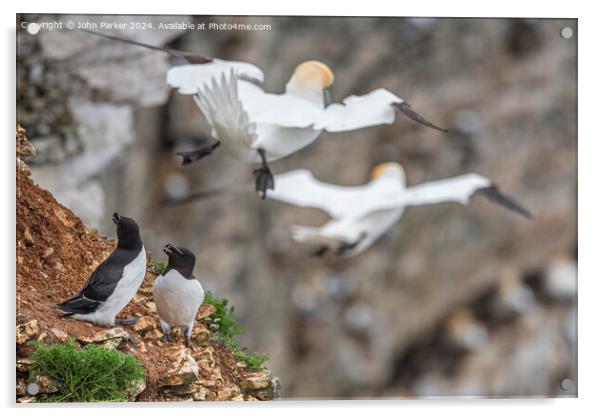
point(114, 282)
point(178, 294)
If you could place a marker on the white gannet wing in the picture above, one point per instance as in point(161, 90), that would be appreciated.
point(287, 110)
point(355, 112)
point(372, 109)
point(301, 188)
point(219, 103)
point(189, 78)
point(457, 189)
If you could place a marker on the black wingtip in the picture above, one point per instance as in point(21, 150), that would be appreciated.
point(406, 109)
point(66, 310)
point(190, 156)
point(192, 58)
point(492, 193)
point(189, 57)
point(186, 159)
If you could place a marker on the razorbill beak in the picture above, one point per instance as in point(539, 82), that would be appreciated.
point(177, 293)
point(114, 282)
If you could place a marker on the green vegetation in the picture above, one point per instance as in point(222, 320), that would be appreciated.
point(91, 374)
point(254, 361)
point(159, 266)
point(224, 329)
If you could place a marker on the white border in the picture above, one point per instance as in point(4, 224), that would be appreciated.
point(590, 290)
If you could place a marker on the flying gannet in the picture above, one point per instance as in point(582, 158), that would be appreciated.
point(362, 214)
point(259, 127)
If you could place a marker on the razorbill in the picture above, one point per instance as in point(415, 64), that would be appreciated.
point(362, 214)
point(178, 294)
point(114, 282)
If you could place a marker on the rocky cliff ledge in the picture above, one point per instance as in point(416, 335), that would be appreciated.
point(56, 252)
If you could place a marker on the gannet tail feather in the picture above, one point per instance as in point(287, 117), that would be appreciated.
point(307, 235)
point(314, 235)
point(224, 111)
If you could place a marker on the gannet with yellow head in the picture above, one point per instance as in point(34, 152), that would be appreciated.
point(262, 127)
point(311, 80)
point(360, 215)
point(392, 169)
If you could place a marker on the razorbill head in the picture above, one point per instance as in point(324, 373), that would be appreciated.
point(178, 294)
point(114, 282)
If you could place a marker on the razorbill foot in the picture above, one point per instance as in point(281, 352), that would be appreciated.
point(178, 294)
point(114, 282)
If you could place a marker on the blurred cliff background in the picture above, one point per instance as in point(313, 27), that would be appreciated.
point(470, 301)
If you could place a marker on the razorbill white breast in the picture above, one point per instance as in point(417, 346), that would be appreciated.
point(114, 282)
point(178, 294)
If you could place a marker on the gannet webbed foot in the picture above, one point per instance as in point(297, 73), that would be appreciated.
point(264, 179)
point(320, 252)
point(344, 248)
point(193, 155)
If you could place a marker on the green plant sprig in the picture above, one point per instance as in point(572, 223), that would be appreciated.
point(91, 374)
point(224, 329)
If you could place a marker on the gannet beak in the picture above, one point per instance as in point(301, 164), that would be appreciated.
point(116, 218)
point(326, 95)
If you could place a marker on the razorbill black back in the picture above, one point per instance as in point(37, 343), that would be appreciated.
point(114, 282)
point(178, 294)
